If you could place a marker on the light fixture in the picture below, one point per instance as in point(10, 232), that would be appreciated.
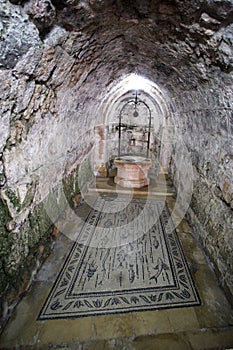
point(135, 113)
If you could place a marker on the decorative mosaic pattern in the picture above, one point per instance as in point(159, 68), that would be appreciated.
point(127, 258)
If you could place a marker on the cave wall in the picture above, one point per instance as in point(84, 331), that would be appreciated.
point(42, 113)
point(58, 60)
point(206, 126)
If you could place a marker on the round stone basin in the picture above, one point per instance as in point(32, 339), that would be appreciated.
point(132, 171)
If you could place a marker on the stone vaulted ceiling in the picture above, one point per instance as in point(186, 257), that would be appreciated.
point(177, 40)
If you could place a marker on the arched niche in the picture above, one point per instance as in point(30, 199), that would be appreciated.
point(159, 103)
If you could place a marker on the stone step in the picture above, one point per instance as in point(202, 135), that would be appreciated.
point(135, 192)
point(158, 187)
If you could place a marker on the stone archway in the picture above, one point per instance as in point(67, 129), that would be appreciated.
point(162, 120)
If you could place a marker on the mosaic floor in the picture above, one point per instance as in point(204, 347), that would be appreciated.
point(127, 258)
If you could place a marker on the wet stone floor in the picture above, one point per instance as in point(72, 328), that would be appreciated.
point(208, 326)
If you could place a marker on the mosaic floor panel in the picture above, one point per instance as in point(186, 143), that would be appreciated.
point(127, 257)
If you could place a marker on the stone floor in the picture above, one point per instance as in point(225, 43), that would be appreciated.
point(209, 326)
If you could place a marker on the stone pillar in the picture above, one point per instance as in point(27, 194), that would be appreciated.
point(100, 151)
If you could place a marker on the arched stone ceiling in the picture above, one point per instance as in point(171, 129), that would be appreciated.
point(173, 42)
point(123, 92)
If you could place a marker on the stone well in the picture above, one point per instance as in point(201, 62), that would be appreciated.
point(132, 171)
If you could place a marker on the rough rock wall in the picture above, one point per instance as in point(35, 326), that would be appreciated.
point(57, 61)
point(44, 135)
point(206, 126)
